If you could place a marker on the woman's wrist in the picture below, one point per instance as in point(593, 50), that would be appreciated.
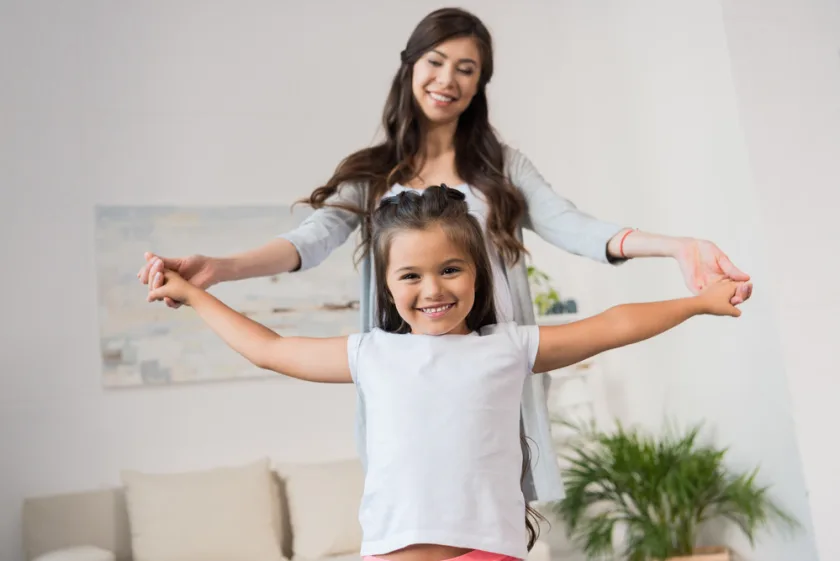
point(630, 244)
point(674, 246)
point(274, 258)
point(223, 269)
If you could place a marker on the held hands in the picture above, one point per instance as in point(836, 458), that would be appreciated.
point(171, 287)
point(198, 270)
point(716, 298)
point(703, 264)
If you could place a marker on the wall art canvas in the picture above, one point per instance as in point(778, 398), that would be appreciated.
point(150, 344)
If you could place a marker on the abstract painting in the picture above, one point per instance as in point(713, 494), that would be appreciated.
point(148, 344)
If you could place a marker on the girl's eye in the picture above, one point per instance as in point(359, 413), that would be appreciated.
point(435, 62)
point(466, 71)
point(451, 270)
point(409, 276)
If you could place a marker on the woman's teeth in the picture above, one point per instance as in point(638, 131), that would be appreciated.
point(441, 98)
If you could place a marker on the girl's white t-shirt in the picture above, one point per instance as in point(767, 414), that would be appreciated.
point(478, 207)
point(444, 457)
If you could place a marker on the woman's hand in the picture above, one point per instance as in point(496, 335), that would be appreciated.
point(702, 264)
point(171, 287)
point(198, 270)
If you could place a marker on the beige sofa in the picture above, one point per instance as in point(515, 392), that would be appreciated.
point(253, 512)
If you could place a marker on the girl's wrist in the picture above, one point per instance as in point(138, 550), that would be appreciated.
point(700, 305)
point(192, 294)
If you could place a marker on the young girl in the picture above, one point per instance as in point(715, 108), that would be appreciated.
point(441, 379)
point(437, 130)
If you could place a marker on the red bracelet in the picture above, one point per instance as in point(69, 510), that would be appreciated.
point(621, 244)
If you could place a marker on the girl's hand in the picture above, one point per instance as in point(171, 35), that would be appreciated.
point(702, 264)
point(716, 298)
point(171, 287)
point(198, 270)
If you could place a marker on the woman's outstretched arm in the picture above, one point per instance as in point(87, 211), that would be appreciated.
point(558, 221)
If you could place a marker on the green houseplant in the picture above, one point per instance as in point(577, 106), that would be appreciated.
point(546, 299)
point(545, 296)
point(660, 491)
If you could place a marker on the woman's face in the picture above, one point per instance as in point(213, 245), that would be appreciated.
point(446, 79)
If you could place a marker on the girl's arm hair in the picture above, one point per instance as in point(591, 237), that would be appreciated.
point(312, 359)
point(564, 345)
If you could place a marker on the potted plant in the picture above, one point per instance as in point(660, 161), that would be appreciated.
point(659, 492)
point(546, 299)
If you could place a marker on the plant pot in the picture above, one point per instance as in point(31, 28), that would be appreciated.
point(705, 554)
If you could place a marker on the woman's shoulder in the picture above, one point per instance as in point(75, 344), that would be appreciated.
point(517, 165)
point(354, 184)
point(511, 153)
point(352, 191)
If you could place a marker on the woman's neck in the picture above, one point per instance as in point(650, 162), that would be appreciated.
point(440, 140)
point(436, 165)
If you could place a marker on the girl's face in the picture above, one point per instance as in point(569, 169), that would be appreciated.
point(445, 79)
point(431, 281)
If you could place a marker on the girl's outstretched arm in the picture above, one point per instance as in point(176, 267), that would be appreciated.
point(564, 345)
point(307, 358)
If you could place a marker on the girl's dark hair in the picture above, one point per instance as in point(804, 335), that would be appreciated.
point(440, 206)
point(479, 155)
point(434, 206)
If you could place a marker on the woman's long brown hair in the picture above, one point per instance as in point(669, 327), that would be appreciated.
point(446, 208)
point(479, 155)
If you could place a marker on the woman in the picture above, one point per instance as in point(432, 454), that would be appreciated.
point(437, 132)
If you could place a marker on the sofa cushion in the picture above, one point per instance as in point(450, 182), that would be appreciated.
point(211, 515)
point(323, 503)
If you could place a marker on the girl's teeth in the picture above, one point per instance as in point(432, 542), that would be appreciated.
point(435, 310)
point(438, 97)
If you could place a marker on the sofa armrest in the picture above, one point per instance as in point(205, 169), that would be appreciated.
point(92, 518)
point(78, 553)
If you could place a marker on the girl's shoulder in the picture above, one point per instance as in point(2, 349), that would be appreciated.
point(494, 328)
point(511, 329)
point(525, 339)
point(379, 335)
point(508, 328)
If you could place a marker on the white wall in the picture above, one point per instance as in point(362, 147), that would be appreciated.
point(657, 142)
point(632, 113)
point(786, 69)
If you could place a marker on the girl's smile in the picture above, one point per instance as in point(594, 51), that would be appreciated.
point(431, 281)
